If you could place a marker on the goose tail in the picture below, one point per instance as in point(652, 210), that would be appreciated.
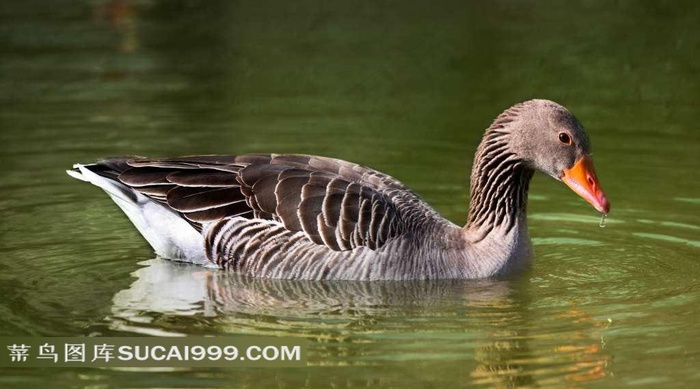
point(170, 235)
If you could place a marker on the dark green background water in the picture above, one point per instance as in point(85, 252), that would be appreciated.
point(404, 87)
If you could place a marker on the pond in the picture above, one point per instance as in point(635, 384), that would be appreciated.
point(404, 87)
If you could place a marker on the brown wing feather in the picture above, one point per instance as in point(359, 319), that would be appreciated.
point(335, 203)
point(192, 199)
point(239, 208)
point(203, 178)
point(146, 176)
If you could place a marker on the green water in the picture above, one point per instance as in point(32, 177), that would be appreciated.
point(404, 87)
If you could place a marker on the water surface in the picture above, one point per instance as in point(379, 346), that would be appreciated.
point(404, 88)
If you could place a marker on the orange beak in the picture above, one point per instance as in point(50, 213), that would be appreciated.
point(581, 179)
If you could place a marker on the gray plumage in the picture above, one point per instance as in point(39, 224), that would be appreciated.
point(310, 217)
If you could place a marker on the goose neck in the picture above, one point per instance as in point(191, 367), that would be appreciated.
point(499, 187)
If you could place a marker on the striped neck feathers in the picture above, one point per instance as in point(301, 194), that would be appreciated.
point(499, 180)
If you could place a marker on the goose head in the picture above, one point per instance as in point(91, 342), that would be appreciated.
point(550, 139)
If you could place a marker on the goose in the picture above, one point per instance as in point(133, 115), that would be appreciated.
point(294, 216)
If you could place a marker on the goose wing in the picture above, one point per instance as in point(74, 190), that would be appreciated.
point(335, 203)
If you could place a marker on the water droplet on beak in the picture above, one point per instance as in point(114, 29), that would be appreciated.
point(602, 220)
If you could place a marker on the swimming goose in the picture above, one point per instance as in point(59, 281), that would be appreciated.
point(310, 217)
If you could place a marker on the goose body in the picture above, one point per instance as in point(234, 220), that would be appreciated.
point(311, 217)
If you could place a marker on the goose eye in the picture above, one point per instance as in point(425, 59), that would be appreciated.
point(564, 138)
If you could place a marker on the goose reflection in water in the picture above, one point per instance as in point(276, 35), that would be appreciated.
point(487, 326)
